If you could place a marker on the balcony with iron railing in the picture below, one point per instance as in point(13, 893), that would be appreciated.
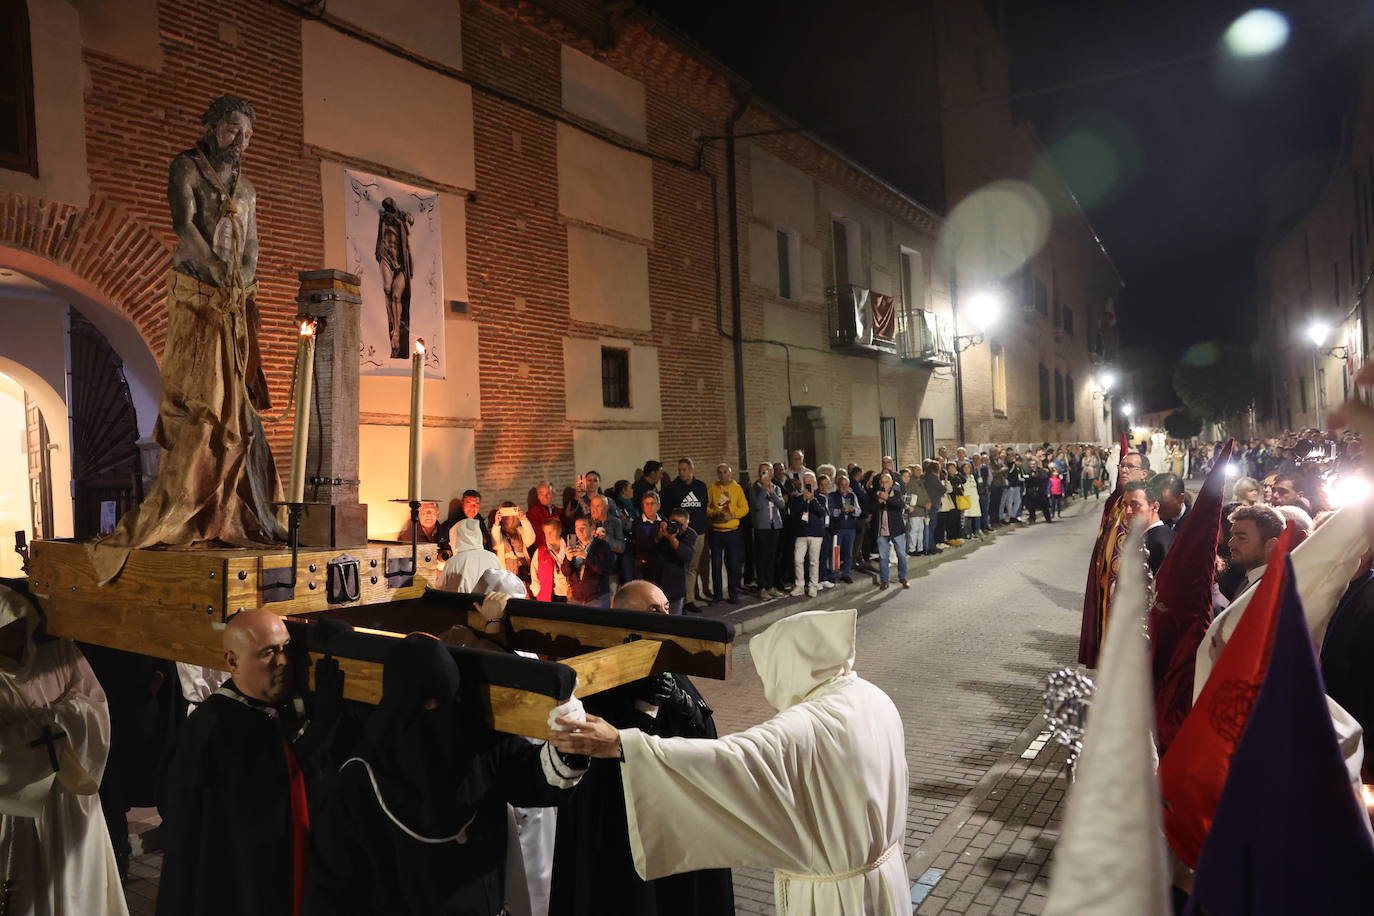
point(863, 320)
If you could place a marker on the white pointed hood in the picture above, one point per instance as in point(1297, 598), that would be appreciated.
point(14, 608)
point(467, 535)
point(800, 653)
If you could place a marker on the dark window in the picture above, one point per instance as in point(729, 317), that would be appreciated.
point(1068, 398)
point(18, 144)
point(1042, 298)
point(615, 377)
point(887, 435)
point(839, 238)
point(1302, 393)
point(1058, 396)
point(784, 264)
point(1068, 320)
point(927, 433)
point(1044, 393)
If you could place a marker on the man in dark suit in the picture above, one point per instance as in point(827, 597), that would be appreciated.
point(1140, 502)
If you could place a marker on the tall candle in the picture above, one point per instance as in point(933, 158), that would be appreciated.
point(417, 415)
point(305, 379)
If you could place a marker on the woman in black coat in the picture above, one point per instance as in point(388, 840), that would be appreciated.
point(953, 519)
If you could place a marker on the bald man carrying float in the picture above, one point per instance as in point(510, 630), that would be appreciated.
point(235, 800)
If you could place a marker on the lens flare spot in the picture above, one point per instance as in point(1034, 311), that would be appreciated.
point(1256, 33)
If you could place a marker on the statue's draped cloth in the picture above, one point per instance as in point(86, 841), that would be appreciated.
point(217, 481)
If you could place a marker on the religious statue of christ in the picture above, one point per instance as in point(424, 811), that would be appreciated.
point(217, 482)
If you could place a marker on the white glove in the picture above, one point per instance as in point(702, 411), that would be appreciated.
point(572, 709)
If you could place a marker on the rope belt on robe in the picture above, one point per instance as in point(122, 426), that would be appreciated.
point(842, 876)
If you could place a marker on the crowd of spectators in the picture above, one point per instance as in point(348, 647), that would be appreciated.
point(792, 531)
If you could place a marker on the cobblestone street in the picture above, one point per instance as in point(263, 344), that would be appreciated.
point(964, 654)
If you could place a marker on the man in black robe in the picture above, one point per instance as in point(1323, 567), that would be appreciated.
point(416, 821)
point(141, 692)
point(593, 871)
point(235, 800)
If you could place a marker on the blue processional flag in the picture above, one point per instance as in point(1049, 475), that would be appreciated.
point(1289, 834)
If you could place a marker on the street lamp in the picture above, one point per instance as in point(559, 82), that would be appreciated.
point(1127, 409)
point(983, 308)
point(1317, 332)
point(1105, 381)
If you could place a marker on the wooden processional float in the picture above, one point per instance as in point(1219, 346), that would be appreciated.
point(173, 603)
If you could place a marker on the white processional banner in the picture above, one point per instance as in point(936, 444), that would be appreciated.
point(394, 245)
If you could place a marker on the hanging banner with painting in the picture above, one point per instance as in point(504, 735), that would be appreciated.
point(392, 234)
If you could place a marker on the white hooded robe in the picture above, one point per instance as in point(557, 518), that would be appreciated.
point(818, 793)
point(53, 841)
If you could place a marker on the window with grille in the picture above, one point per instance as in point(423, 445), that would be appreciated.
point(1068, 398)
point(18, 141)
point(615, 377)
point(887, 435)
point(1058, 395)
point(1044, 393)
point(1068, 320)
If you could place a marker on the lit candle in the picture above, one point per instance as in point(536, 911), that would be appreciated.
point(305, 379)
point(417, 415)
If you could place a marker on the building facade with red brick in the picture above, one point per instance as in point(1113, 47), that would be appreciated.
point(587, 284)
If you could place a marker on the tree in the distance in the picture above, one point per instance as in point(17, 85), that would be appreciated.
point(1183, 424)
point(1216, 383)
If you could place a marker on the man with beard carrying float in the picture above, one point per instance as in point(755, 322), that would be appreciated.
point(217, 481)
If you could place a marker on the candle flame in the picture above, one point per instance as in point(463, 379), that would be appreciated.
point(419, 345)
point(307, 327)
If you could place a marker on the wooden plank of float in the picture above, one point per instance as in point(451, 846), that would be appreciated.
point(567, 640)
point(606, 668)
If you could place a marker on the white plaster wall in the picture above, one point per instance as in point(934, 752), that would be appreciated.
point(783, 196)
point(602, 94)
point(459, 395)
point(15, 513)
point(614, 452)
point(863, 409)
point(127, 29)
point(433, 30)
point(582, 371)
point(763, 257)
point(363, 102)
point(59, 109)
point(802, 327)
point(448, 467)
point(608, 280)
point(604, 185)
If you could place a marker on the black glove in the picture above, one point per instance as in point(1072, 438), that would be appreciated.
point(660, 690)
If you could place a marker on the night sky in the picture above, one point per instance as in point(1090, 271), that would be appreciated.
point(1185, 167)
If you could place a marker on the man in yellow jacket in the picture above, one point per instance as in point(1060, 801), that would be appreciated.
point(725, 506)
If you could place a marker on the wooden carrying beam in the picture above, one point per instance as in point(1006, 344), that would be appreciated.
point(692, 646)
point(515, 694)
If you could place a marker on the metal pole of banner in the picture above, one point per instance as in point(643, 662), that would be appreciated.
point(737, 321)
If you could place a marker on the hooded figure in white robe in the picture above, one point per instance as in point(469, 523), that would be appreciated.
point(55, 852)
point(470, 559)
point(818, 793)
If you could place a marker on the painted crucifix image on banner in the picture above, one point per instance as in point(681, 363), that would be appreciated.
point(394, 245)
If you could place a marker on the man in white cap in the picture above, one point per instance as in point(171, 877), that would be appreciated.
point(818, 792)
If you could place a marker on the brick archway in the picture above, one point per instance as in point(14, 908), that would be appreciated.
point(105, 247)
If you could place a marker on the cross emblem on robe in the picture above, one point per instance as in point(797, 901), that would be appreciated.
point(50, 737)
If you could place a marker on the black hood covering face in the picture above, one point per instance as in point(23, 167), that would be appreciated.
point(416, 754)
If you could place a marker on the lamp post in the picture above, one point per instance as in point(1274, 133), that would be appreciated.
point(984, 308)
point(1317, 332)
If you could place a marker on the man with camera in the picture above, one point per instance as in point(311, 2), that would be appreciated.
point(587, 565)
point(678, 542)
